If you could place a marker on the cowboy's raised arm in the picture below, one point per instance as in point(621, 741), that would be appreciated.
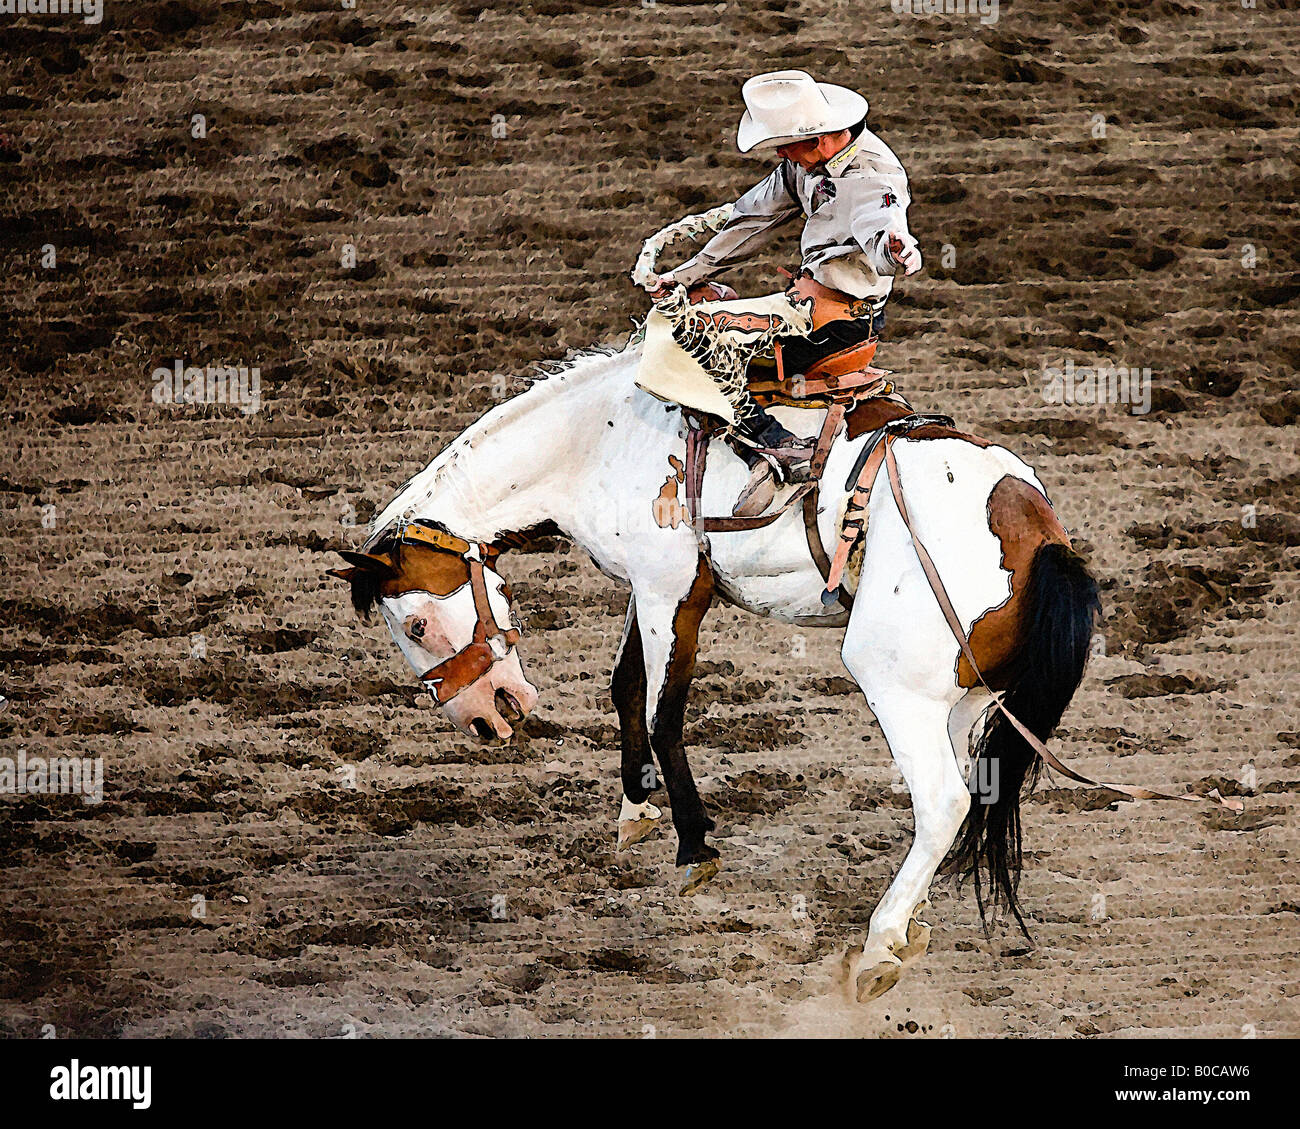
point(878, 219)
point(754, 220)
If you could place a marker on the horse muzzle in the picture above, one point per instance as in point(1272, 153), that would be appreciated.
point(493, 703)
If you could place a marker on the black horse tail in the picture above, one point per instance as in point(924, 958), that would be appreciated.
point(1055, 636)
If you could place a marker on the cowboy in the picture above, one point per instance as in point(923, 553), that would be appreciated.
point(852, 192)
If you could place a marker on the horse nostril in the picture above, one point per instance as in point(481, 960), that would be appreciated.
point(482, 730)
point(508, 706)
point(415, 628)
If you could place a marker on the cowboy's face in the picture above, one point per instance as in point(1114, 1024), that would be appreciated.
point(812, 152)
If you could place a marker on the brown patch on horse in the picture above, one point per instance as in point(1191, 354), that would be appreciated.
point(689, 817)
point(418, 569)
point(1023, 521)
point(686, 639)
point(668, 509)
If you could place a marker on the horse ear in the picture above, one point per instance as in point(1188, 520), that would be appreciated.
point(364, 562)
point(343, 573)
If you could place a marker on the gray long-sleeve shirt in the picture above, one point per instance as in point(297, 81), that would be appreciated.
point(850, 210)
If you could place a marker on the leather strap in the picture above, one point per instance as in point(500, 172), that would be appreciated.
point(697, 452)
point(490, 643)
point(482, 607)
point(459, 672)
point(855, 514)
point(817, 550)
point(418, 533)
point(954, 624)
point(861, 479)
point(810, 500)
point(830, 428)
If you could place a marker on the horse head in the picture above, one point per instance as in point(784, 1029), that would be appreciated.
point(444, 602)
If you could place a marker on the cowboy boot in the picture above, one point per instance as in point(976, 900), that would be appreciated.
point(789, 463)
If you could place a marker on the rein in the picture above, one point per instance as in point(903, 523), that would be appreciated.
point(490, 643)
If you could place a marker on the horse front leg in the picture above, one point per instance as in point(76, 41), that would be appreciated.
point(638, 818)
point(669, 638)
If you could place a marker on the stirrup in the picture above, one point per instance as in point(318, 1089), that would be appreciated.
point(790, 460)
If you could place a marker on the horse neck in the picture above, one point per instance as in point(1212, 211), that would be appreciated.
point(506, 472)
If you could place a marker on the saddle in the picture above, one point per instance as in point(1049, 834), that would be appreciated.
point(848, 387)
point(838, 383)
point(845, 375)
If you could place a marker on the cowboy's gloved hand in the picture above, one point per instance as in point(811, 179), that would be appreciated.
point(904, 251)
point(666, 283)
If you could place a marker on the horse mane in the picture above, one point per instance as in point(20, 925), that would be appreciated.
point(546, 379)
point(552, 377)
point(576, 358)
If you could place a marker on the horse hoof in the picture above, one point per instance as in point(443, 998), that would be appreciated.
point(632, 831)
point(698, 874)
point(877, 980)
point(918, 940)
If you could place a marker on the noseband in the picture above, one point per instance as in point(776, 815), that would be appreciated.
point(491, 643)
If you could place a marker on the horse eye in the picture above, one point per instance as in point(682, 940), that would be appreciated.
point(415, 628)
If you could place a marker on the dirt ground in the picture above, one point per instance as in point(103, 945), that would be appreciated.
point(292, 842)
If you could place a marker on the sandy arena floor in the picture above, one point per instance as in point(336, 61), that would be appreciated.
point(1116, 182)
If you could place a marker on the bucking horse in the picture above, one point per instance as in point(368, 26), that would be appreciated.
point(967, 629)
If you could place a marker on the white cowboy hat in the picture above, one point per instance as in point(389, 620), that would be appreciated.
point(786, 106)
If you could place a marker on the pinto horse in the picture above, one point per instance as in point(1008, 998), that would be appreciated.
point(585, 452)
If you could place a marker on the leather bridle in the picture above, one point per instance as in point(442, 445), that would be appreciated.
point(490, 643)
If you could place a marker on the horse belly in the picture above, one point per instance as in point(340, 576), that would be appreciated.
point(767, 571)
point(771, 571)
point(791, 597)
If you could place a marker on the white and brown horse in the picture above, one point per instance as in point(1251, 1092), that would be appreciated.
point(585, 452)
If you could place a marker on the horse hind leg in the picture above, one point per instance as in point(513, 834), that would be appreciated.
point(916, 728)
point(963, 719)
point(913, 701)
